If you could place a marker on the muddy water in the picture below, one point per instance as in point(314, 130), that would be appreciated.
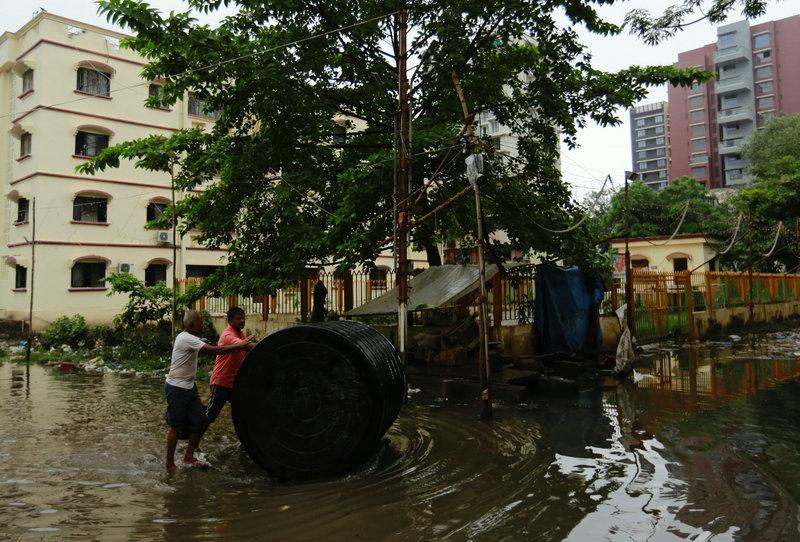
point(703, 446)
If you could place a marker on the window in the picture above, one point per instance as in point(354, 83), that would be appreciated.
point(761, 41)
point(696, 102)
point(378, 281)
point(764, 88)
point(154, 91)
point(639, 263)
point(201, 271)
point(21, 277)
point(697, 116)
point(764, 72)
point(88, 275)
point(680, 264)
point(24, 145)
point(641, 133)
point(767, 102)
point(726, 40)
point(90, 144)
point(727, 68)
point(641, 154)
point(659, 141)
point(659, 130)
point(698, 159)
point(641, 143)
point(90, 209)
point(92, 81)
point(27, 81)
point(764, 57)
point(661, 163)
point(699, 130)
point(699, 172)
point(339, 134)
point(155, 273)
point(155, 210)
point(765, 116)
point(696, 88)
point(639, 122)
point(659, 119)
point(698, 145)
point(642, 165)
point(494, 126)
point(729, 102)
point(22, 209)
point(198, 108)
point(662, 174)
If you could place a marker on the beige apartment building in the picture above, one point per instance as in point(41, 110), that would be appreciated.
point(67, 90)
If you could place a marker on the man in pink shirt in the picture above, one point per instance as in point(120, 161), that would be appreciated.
point(226, 365)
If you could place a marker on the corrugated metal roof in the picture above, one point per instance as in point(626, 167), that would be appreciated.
point(433, 288)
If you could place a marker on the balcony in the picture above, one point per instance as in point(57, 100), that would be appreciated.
point(734, 83)
point(734, 164)
point(731, 146)
point(736, 114)
point(729, 54)
point(736, 177)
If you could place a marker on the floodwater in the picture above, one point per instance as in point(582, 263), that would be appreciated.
point(704, 446)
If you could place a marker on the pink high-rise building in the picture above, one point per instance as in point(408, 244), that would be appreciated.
point(758, 77)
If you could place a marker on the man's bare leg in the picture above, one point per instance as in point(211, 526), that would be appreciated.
point(172, 443)
point(194, 442)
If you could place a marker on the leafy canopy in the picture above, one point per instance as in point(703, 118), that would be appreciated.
point(283, 188)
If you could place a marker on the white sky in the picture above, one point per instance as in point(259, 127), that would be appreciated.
point(602, 150)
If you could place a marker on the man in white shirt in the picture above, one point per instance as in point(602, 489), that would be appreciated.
point(184, 408)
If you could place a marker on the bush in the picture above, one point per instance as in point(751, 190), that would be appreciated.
point(102, 337)
point(71, 330)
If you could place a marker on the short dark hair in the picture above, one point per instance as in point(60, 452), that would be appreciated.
point(233, 312)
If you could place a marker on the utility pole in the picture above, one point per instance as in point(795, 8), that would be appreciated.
point(401, 177)
point(33, 270)
point(174, 247)
point(474, 168)
point(631, 318)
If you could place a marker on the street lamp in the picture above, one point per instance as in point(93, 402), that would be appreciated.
point(629, 176)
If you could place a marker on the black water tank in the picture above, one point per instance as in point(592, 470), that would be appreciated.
point(315, 400)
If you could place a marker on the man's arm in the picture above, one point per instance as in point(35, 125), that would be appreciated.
point(215, 349)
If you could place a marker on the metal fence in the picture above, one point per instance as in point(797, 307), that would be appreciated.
point(348, 289)
point(665, 303)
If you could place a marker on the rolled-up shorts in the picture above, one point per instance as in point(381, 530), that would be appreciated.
point(185, 410)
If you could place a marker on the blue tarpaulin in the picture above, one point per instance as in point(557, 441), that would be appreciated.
point(566, 311)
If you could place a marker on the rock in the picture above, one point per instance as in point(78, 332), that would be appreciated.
point(452, 357)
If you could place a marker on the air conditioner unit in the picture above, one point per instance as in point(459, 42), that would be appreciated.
point(125, 267)
point(163, 237)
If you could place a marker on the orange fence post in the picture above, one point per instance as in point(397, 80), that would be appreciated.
point(690, 306)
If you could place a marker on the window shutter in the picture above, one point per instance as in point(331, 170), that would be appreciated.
point(76, 209)
point(102, 211)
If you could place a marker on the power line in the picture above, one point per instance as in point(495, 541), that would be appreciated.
point(213, 65)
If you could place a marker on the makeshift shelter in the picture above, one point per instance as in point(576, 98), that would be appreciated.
point(435, 288)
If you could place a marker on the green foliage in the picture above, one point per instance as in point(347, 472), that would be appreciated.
point(146, 304)
point(282, 194)
point(774, 150)
point(69, 330)
point(654, 213)
point(654, 29)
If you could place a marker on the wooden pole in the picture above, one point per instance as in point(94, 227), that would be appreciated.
point(402, 141)
point(174, 249)
point(33, 271)
point(628, 273)
point(484, 369)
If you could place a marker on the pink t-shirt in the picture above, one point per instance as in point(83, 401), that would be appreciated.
point(227, 365)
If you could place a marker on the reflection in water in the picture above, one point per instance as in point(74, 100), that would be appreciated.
point(703, 444)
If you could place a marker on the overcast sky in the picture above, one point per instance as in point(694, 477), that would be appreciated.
point(602, 150)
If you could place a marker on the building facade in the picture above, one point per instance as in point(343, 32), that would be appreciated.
point(650, 143)
point(758, 76)
point(67, 90)
point(687, 252)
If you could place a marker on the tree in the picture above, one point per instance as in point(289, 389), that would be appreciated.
point(283, 188)
point(654, 213)
point(774, 150)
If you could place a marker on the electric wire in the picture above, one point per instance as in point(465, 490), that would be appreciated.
point(775, 243)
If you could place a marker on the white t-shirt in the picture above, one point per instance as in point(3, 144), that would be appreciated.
point(183, 368)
